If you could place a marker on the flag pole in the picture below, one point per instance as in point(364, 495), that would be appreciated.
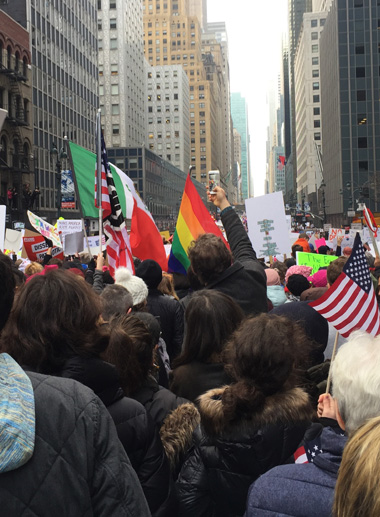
point(68, 150)
point(332, 360)
point(99, 176)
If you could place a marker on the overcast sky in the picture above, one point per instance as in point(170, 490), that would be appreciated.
point(255, 29)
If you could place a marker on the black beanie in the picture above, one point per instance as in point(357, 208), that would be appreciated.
point(150, 271)
point(297, 284)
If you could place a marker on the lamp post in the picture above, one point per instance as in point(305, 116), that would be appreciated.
point(62, 155)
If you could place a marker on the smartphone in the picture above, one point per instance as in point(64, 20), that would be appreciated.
point(213, 181)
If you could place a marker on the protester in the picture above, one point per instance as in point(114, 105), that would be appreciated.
point(33, 268)
point(211, 318)
point(275, 290)
point(308, 489)
point(166, 308)
point(296, 285)
point(244, 279)
point(303, 241)
point(116, 301)
point(134, 285)
point(166, 286)
point(55, 329)
point(251, 425)
point(357, 487)
point(56, 429)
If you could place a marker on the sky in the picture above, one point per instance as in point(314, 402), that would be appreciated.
point(255, 29)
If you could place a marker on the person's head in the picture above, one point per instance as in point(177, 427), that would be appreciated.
point(7, 290)
point(150, 271)
point(166, 286)
point(211, 317)
point(273, 278)
point(355, 374)
point(209, 257)
point(357, 490)
point(295, 248)
point(281, 269)
point(297, 284)
point(56, 262)
point(55, 316)
point(135, 286)
point(323, 250)
point(33, 268)
point(334, 269)
point(116, 301)
point(370, 259)
point(347, 250)
point(262, 356)
point(130, 350)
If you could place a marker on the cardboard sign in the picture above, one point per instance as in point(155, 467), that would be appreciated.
point(35, 248)
point(44, 228)
point(66, 226)
point(73, 243)
point(314, 260)
point(319, 243)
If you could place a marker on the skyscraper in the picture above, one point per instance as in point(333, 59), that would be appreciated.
point(65, 82)
point(198, 8)
point(239, 112)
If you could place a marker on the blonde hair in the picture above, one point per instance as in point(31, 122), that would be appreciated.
point(357, 491)
point(33, 268)
point(166, 286)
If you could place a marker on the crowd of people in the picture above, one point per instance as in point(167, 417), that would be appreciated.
point(180, 395)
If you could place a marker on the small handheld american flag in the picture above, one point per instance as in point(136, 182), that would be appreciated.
point(350, 304)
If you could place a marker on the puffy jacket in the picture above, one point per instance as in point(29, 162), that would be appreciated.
point(158, 401)
point(276, 294)
point(135, 429)
point(300, 489)
point(78, 467)
point(304, 243)
point(171, 317)
point(245, 281)
point(228, 456)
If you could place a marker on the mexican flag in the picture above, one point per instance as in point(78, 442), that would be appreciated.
point(146, 241)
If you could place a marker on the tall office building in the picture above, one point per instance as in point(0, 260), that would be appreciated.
point(308, 113)
point(321, 5)
point(171, 36)
point(198, 8)
point(296, 9)
point(168, 113)
point(350, 63)
point(121, 72)
point(63, 38)
point(239, 112)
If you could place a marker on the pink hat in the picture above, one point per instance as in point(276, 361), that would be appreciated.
point(272, 277)
point(319, 279)
point(298, 270)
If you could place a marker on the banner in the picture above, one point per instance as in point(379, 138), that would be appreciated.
point(314, 260)
point(67, 189)
point(44, 228)
point(35, 248)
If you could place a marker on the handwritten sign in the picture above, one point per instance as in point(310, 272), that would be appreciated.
point(44, 228)
point(313, 260)
point(66, 226)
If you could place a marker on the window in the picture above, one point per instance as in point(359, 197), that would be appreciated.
point(361, 95)
point(322, 22)
point(362, 120)
point(317, 136)
point(314, 36)
point(359, 49)
point(314, 49)
point(112, 4)
point(317, 123)
point(113, 23)
point(100, 44)
point(115, 109)
point(358, 3)
point(115, 129)
point(113, 43)
point(114, 89)
point(360, 71)
point(114, 70)
point(316, 86)
point(362, 142)
point(99, 25)
point(314, 23)
point(315, 61)
point(100, 68)
point(317, 111)
point(315, 73)
point(363, 166)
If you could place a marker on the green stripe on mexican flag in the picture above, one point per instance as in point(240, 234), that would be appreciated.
point(84, 169)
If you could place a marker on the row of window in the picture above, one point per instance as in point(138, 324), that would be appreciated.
point(168, 135)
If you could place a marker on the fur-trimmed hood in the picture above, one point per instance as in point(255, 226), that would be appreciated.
point(287, 407)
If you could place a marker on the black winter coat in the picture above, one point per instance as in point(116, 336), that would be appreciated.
point(245, 280)
point(78, 467)
point(171, 317)
point(158, 401)
point(135, 429)
point(228, 456)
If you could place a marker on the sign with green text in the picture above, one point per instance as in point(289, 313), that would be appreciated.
point(314, 260)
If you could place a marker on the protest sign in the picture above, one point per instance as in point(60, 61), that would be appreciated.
point(44, 228)
point(66, 226)
point(319, 243)
point(314, 260)
point(73, 243)
point(167, 247)
point(35, 247)
point(13, 241)
point(165, 234)
point(267, 225)
point(93, 243)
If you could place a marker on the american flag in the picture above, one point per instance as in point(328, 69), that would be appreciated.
point(350, 304)
point(308, 451)
point(118, 246)
point(106, 205)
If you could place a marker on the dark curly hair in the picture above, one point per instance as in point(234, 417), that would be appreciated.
point(263, 356)
point(209, 257)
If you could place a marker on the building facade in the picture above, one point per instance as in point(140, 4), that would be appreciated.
point(350, 62)
point(239, 112)
point(121, 72)
point(198, 8)
point(16, 135)
point(63, 39)
point(168, 114)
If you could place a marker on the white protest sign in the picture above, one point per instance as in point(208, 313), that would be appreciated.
point(44, 228)
point(348, 239)
point(93, 243)
point(66, 226)
point(289, 221)
point(3, 212)
point(73, 243)
point(168, 248)
point(267, 225)
point(13, 241)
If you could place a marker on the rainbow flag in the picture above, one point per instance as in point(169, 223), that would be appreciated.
point(193, 220)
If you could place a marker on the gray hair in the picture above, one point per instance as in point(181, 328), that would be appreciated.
point(116, 301)
point(356, 379)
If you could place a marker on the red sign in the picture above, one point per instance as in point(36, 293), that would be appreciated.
point(36, 248)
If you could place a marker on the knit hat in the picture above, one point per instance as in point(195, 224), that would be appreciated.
point(272, 277)
point(298, 270)
point(297, 284)
point(323, 250)
point(150, 271)
point(314, 325)
point(312, 294)
point(135, 286)
point(319, 279)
